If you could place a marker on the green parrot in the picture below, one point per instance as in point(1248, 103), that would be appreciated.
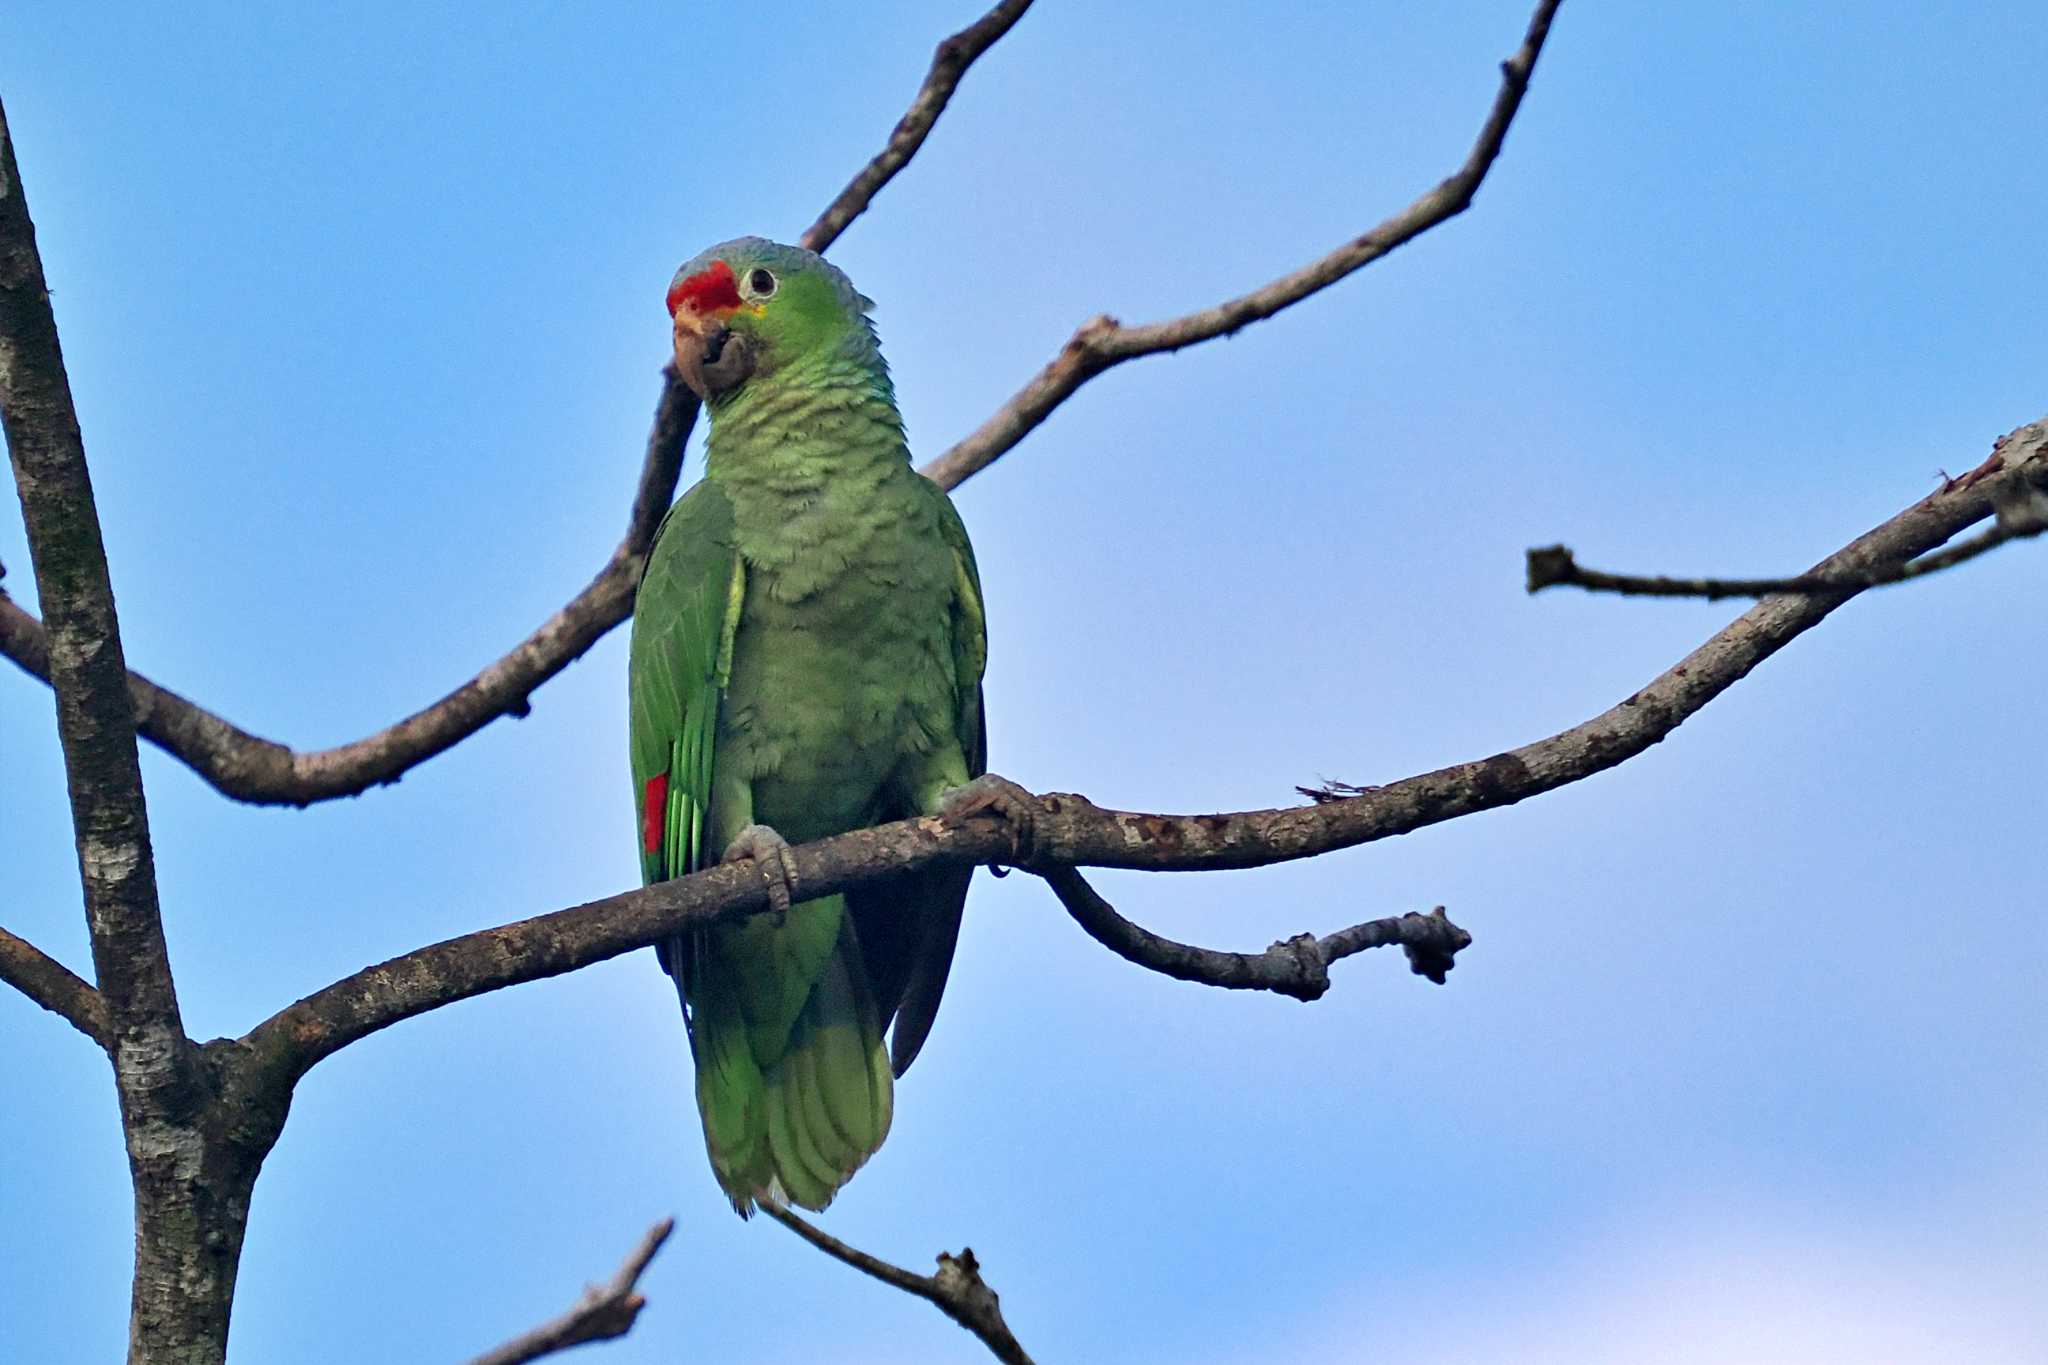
point(807, 658)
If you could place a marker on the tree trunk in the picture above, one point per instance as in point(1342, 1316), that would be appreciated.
point(198, 1131)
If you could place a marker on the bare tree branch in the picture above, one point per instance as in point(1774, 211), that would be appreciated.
point(957, 1289)
point(1070, 830)
point(949, 64)
point(263, 772)
point(2019, 517)
point(1297, 967)
point(94, 720)
point(1102, 342)
point(194, 1143)
point(249, 768)
point(52, 985)
point(604, 1312)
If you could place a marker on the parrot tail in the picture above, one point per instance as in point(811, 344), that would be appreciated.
point(790, 1116)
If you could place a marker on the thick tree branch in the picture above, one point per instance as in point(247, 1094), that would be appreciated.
point(1297, 967)
point(949, 64)
point(194, 1139)
point(604, 1312)
point(957, 1289)
point(1102, 342)
point(301, 1034)
point(2020, 517)
point(263, 772)
point(51, 984)
point(95, 721)
point(1072, 831)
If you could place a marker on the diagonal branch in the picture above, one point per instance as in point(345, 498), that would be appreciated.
point(249, 768)
point(1297, 967)
point(604, 1312)
point(52, 985)
point(1071, 830)
point(949, 64)
point(1102, 342)
point(957, 1290)
point(2019, 518)
point(95, 721)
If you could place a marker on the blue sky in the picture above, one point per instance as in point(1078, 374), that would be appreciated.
point(363, 315)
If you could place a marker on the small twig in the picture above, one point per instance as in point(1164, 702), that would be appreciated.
point(2018, 519)
point(1103, 342)
point(949, 64)
point(2019, 502)
point(52, 985)
point(604, 1312)
point(1298, 967)
point(957, 1289)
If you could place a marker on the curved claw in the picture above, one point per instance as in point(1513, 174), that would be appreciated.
point(769, 851)
point(990, 794)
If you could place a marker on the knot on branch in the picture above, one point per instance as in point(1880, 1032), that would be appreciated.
point(605, 1316)
point(965, 1297)
point(1550, 566)
point(959, 1279)
point(1432, 943)
point(1300, 969)
point(1087, 350)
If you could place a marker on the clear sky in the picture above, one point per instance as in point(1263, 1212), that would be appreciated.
point(363, 309)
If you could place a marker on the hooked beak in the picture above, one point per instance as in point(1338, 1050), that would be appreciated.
point(714, 343)
point(710, 356)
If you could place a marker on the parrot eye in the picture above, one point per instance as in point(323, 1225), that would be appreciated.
point(760, 283)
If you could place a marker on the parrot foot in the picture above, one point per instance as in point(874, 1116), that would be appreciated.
point(769, 851)
point(998, 796)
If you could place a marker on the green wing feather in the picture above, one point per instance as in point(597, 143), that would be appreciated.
point(970, 642)
point(681, 628)
point(683, 623)
point(792, 1080)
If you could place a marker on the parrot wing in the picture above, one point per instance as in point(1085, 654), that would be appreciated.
point(792, 1081)
point(684, 618)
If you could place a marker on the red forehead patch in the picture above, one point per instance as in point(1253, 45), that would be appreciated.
point(705, 290)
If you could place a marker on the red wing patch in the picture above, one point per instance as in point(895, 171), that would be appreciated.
point(654, 813)
point(706, 290)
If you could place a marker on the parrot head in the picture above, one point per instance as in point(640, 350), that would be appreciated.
point(749, 307)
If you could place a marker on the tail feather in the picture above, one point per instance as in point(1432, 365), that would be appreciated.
point(795, 1164)
point(791, 1117)
point(807, 1068)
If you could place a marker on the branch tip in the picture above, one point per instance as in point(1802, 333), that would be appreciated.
point(1102, 343)
point(604, 1312)
point(956, 1289)
point(950, 60)
point(1297, 967)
